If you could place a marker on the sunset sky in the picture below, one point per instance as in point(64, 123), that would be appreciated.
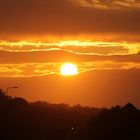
point(101, 37)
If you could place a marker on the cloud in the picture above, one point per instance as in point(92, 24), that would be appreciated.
point(39, 63)
point(76, 46)
point(28, 69)
point(9, 71)
point(107, 4)
point(66, 17)
point(127, 3)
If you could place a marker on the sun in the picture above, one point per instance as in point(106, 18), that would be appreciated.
point(68, 69)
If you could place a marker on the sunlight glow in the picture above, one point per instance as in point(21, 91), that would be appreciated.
point(28, 46)
point(69, 69)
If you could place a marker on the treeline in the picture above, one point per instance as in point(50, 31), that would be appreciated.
point(118, 123)
point(21, 120)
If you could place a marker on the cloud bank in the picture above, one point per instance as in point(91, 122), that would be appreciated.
point(69, 16)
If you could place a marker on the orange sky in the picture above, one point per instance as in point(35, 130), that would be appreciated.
point(101, 37)
point(109, 72)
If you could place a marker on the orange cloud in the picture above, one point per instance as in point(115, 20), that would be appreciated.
point(44, 69)
point(106, 5)
point(75, 46)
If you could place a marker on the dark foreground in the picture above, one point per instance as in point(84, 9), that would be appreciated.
point(20, 120)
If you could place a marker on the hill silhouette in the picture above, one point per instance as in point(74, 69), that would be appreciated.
point(20, 120)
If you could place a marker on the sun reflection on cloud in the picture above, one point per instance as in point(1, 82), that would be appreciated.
point(44, 69)
point(28, 46)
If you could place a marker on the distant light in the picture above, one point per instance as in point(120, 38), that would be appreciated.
point(72, 128)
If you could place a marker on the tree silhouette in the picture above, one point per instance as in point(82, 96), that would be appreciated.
point(20, 120)
point(116, 123)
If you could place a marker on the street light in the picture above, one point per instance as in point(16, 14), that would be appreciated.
point(7, 90)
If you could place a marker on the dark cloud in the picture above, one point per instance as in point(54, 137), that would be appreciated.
point(67, 17)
